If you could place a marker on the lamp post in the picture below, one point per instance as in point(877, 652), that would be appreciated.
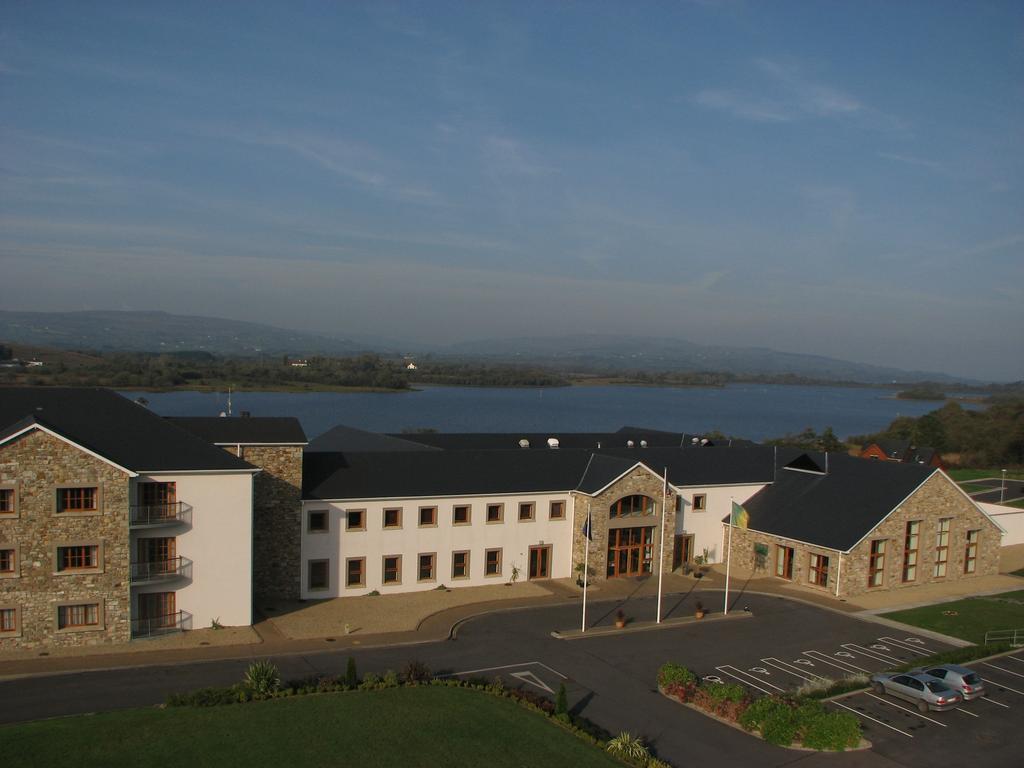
point(1002, 490)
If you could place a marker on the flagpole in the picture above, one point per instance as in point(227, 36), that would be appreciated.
point(586, 574)
point(661, 555)
point(728, 562)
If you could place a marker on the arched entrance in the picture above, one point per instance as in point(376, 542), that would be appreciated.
point(631, 546)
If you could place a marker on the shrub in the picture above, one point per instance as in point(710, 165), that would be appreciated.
point(351, 678)
point(824, 688)
point(955, 656)
point(562, 702)
point(415, 672)
point(209, 697)
point(781, 728)
point(262, 678)
point(835, 731)
point(760, 711)
point(370, 681)
point(675, 673)
point(628, 747)
point(390, 679)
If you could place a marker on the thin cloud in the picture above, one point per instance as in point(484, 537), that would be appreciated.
point(910, 160)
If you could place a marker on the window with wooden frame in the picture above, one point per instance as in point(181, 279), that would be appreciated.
point(392, 570)
point(355, 519)
point(393, 517)
point(8, 561)
point(700, 502)
point(556, 510)
point(527, 509)
point(941, 547)
point(428, 517)
point(628, 506)
point(971, 552)
point(784, 562)
point(78, 500)
point(318, 521)
point(911, 549)
point(157, 494)
point(319, 575)
point(495, 513)
point(462, 514)
point(79, 616)
point(818, 571)
point(426, 567)
point(8, 501)
point(9, 624)
point(355, 572)
point(460, 565)
point(876, 563)
point(492, 562)
point(78, 557)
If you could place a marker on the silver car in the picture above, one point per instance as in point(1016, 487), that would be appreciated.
point(923, 690)
point(967, 682)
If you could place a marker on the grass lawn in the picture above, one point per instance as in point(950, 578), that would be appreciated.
point(960, 475)
point(974, 616)
point(424, 726)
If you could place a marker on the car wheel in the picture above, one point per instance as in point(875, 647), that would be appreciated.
point(879, 688)
point(922, 705)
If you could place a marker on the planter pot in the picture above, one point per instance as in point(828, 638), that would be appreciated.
point(699, 614)
point(620, 624)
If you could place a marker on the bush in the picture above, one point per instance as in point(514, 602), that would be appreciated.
point(262, 678)
point(628, 747)
point(370, 682)
point(209, 697)
point(675, 673)
point(415, 672)
point(780, 729)
point(956, 656)
point(350, 673)
point(835, 731)
point(390, 679)
point(824, 688)
point(761, 711)
point(562, 702)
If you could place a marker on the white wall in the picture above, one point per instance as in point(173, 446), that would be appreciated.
point(512, 536)
point(219, 544)
point(1009, 518)
point(706, 526)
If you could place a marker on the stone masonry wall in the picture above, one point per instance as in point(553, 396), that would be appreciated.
point(277, 519)
point(938, 498)
point(639, 481)
point(36, 464)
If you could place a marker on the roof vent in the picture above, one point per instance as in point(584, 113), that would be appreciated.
point(703, 441)
point(552, 442)
point(643, 443)
point(524, 443)
point(695, 441)
point(629, 443)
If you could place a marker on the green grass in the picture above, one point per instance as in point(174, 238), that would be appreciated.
point(422, 726)
point(974, 616)
point(961, 475)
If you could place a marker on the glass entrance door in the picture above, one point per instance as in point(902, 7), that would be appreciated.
point(630, 551)
point(540, 562)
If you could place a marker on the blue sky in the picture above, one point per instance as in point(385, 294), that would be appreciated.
point(822, 177)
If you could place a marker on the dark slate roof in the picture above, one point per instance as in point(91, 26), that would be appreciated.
point(835, 510)
point(483, 441)
point(113, 427)
point(248, 430)
point(349, 439)
point(894, 449)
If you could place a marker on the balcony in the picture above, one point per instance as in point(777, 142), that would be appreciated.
point(152, 515)
point(161, 625)
point(160, 570)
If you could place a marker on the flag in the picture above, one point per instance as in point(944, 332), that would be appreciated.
point(739, 517)
point(587, 529)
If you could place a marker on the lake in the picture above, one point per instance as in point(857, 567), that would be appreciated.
point(753, 411)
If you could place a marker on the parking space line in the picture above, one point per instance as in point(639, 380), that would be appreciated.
point(869, 717)
point(993, 701)
point(872, 654)
point(506, 666)
point(1014, 658)
point(836, 663)
point(722, 669)
point(1004, 687)
point(963, 711)
point(909, 711)
point(771, 661)
point(906, 646)
point(1015, 674)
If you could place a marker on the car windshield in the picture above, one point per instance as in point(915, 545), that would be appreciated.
point(936, 687)
point(972, 679)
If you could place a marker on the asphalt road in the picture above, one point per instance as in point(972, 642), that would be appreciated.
point(610, 680)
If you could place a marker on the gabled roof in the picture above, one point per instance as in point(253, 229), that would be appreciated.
point(348, 440)
point(538, 441)
point(834, 510)
point(245, 430)
point(113, 427)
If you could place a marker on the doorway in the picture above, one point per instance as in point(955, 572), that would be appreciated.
point(630, 551)
point(683, 551)
point(157, 610)
point(540, 562)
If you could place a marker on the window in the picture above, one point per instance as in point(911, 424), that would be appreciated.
point(492, 562)
point(819, 570)
point(495, 513)
point(80, 616)
point(355, 572)
point(700, 502)
point(78, 500)
point(78, 557)
point(526, 510)
point(557, 510)
point(157, 494)
point(7, 502)
point(319, 575)
point(941, 547)
point(8, 621)
point(460, 565)
point(971, 552)
point(461, 514)
point(8, 561)
point(393, 517)
point(392, 569)
point(910, 550)
point(784, 562)
point(318, 521)
point(428, 517)
point(427, 563)
point(876, 563)
point(632, 505)
point(355, 519)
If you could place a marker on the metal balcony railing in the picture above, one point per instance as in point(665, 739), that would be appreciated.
point(146, 515)
point(161, 570)
point(162, 625)
point(1014, 637)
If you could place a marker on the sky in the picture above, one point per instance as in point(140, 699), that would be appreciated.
point(837, 178)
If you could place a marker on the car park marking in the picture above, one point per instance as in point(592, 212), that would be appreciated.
point(845, 654)
point(993, 701)
point(847, 668)
point(1004, 687)
point(903, 645)
point(963, 711)
point(1014, 658)
point(713, 679)
point(506, 666)
point(805, 662)
point(873, 654)
point(869, 717)
point(724, 671)
point(760, 670)
point(1015, 674)
point(806, 676)
point(909, 711)
point(880, 647)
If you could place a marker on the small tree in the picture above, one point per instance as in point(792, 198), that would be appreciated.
point(562, 701)
point(351, 678)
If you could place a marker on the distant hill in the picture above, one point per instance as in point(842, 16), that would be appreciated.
point(163, 332)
